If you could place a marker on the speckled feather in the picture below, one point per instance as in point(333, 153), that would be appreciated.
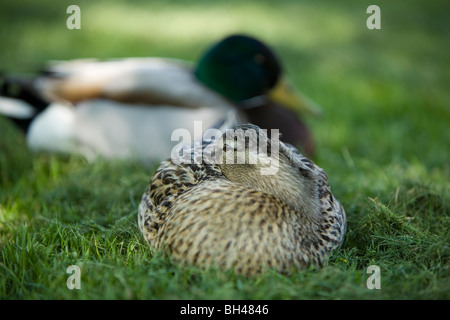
point(202, 218)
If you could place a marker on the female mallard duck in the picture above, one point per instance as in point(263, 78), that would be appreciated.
point(124, 107)
point(231, 215)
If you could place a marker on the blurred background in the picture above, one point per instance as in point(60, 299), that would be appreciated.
point(384, 92)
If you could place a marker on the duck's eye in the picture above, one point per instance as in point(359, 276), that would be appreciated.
point(259, 58)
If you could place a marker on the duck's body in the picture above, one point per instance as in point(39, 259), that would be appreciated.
point(121, 108)
point(114, 130)
point(130, 107)
point(232, 217)
point(149, 81)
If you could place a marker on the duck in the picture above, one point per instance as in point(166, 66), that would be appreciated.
point(130, 107)
point(205, 208)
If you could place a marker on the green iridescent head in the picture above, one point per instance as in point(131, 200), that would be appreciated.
point(239, 67)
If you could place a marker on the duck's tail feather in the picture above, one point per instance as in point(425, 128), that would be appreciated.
point(19, 101)
point(22, 88)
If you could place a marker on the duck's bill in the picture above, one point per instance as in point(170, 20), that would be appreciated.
point(286, 94)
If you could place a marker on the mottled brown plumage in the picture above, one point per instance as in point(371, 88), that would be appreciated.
point(233, 217)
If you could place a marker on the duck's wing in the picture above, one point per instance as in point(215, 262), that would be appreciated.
point(334, 219)
point(172, 178)
point(333, 214)
point(152, 81)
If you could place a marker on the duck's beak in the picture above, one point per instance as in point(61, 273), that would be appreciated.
point(286, 94)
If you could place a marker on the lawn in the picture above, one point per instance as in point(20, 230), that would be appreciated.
point(383, 140)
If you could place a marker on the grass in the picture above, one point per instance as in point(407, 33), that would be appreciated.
point(383, 142)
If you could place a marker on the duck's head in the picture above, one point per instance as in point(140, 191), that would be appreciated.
point(248, 157)
point(246, 71)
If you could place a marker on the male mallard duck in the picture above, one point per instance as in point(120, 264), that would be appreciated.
point(124, 107)
point(232, 215)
